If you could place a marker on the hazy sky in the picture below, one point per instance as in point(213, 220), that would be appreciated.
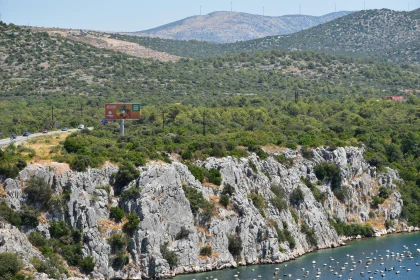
point(136, 15)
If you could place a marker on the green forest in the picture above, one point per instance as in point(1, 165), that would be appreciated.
point(218, 106)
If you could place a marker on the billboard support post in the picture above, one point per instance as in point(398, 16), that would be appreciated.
point(122, 127)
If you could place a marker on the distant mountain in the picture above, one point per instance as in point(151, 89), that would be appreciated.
point(383, 35)
point(229, 27)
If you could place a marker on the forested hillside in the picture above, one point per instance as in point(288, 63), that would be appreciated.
point(384, 35)
point(229, 105)
point(230, 27)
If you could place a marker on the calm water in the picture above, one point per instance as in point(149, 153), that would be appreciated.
point(361, 250)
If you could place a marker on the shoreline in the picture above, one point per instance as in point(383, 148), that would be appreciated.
point(341, 243)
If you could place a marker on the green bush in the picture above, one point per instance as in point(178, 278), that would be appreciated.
point(118, 241)
point(168, 255)
point(126, 174)
point(279, 203)
point(87, 264)
point(59, 229)
point(206, 251)
point(278, 191)
point(224, 200)
point(228, 189)
point(318, 195)
point(310, 234)
point(38, 192)
point(121, 259)
point(116, 213)
point(257, 200)
point(297, 196)
point(131, 193)
point(352, 229)
point(37, 239)
point(234, 245)
point(183, 233)
point(132, 223)
point(214, 176)
point(198, 201)
point(253, 166)
point(197, 172)
point(284, 161)
point(10, 264)
point(331, 172)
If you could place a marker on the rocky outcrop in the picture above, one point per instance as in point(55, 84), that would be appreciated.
point(164, 210)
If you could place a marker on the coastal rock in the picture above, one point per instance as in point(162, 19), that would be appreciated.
point(165, 210)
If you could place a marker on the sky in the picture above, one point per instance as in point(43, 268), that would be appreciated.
point(137, 15)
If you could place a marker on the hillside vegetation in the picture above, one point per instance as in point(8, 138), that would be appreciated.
point(230, 105)
point(230, 27)
point(384, 35)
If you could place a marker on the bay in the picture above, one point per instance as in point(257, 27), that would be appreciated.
point(388, 257)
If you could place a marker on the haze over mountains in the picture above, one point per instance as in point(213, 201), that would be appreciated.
point(229, 27)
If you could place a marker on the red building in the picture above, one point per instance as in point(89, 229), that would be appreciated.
point(395, 97)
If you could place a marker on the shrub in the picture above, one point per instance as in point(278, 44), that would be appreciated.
point(80, 162)
point(126, 174)
point(279, 203)
point(277, 190)
point(187, 155)
point(29, 216)
point(38, 192)
point(21, 163)
point(121, 259)
point(224, 200)
point(72, 254)
point(37, 239)
point(183, 233)
point(206, 251)
point(389, 224)
point(10, 264)
point(228, 189)
point(253, 166)
point(384, 192)
point(87, 264)
point(351, 229)
point(284, 161)
point(310, 234)
point(116, 213)
point(9, 215)
point(168, 255)
point(118, 241)
point(330, 172)
point(376, 200)
point(197, 200)
point(297, 196)
point(319, 196)
point(234, 245)
point(131, 193)
point(59, 229)
point(214, 176)
point(132, 223)
point(197, 172)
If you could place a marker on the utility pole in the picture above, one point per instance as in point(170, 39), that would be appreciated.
point(204, 123)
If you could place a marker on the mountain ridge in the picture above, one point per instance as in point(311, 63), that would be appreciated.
point(229, 27)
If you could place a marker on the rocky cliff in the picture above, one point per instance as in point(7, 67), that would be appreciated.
point(262, 209)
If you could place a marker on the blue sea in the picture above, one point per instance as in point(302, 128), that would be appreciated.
point(388, 257)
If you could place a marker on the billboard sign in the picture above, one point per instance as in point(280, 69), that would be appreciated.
point(122, 111)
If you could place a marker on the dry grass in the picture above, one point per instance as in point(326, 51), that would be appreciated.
point(105, 225)
point(44, 146)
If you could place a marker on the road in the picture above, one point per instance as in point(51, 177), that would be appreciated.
point(20, 139)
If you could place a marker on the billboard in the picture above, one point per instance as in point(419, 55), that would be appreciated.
point(119, 111)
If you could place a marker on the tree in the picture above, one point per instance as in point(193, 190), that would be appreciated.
point(126, 174)
point(132, 223)
point(10, 264)
point(116, 213)
point(38, 192)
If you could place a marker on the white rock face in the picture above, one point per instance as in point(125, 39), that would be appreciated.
point(164, 209)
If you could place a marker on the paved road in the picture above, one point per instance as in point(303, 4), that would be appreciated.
point(20, 139)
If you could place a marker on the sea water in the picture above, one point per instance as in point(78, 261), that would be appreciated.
point(388, 257)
